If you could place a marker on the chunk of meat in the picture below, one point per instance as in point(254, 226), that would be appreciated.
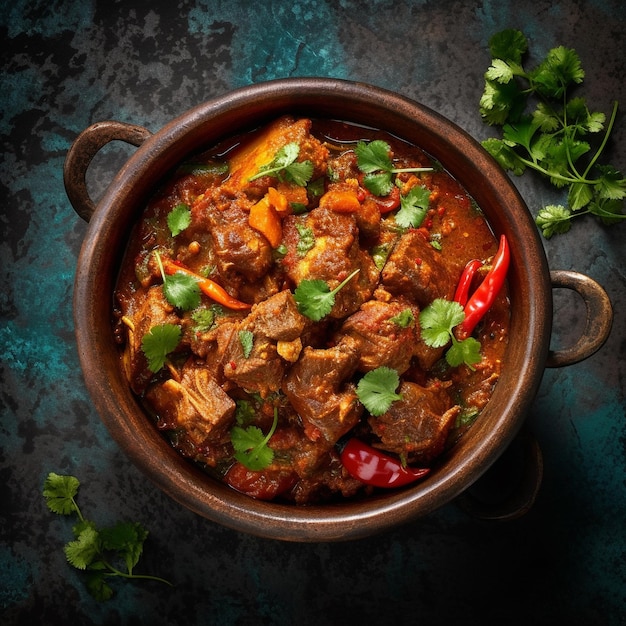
point(332, 255)
point(237, 246)
point(416, 270)
point(148, 308)
point(277, 318)
point(196, 403)
point(417, 426)
point(261, 371)
point(317, 389)
point(272, 322)
point(247, 160)
point(383, 333)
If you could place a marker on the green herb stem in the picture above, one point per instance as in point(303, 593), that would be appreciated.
point(401, 170)
point(113, 571)
point(609, 129)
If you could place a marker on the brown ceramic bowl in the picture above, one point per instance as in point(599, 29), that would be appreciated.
point(530, 281)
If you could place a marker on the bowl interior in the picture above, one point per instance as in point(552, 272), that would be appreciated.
point(245, 109)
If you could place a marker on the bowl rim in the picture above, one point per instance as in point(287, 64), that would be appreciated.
point(248, 107)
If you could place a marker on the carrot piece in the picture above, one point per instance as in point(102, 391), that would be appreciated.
point(264, 218)
point(278, 200)
point(340, 201)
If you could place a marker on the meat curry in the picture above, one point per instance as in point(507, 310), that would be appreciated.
point(274, 303)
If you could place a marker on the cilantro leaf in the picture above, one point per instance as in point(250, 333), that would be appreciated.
point(81, 552)
point(509, 44)
point(203, 320)
point(500, 71)
point(158, 342)
point(373, 156)
point(299, 173)
point(413, 207)
point(285, 167)
point(380, 253)
point(504, 155)
point(374, 160)
point(556, 72)
point(93, 549)
point(315, 299)
point(437, 321)
point(377, 389)
point(611, 184)
point(59, 492)
point(246, 339)
point(178, 219)
point(250, 445)
point(98, 587)
point(466, 351)
point(404, 319)
point(126, 539)
point(544, 130)
point(244, 413)
point(182, 291)
point(553, 219)
point(306, 239)
point(379, 184)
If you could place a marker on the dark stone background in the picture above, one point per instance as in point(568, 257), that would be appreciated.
point(66, 64)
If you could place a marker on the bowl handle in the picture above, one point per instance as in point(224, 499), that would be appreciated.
point(598, 322)
point(83, 150)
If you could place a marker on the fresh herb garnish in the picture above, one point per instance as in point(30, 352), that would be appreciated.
point(285, 167)
point(404, 319)
point(413, 207)
point(380, 253)
point(437, 322)
point(246, 339)
point(315, 299)
point(374, 160)
point(103, 553)
point(548, 133)
point(158, 342)
point(178, 219)
point(306, 239)
point(180, 289)
point(250, 445)
point(203, 320)
point(377, 389)
point(244, 412)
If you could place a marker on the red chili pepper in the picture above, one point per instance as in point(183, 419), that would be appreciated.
point(482, 299)
point(207, 286)
point(461, 294)
point(376, 468)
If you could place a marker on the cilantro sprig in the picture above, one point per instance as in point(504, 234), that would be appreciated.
point(315, 298)
point(250, 445)
point(180, 289)
point(413, 207)
point(179, 218)
point(549, 132)
point(437, 322)
point(246, 339)
point(104, 553)
point(377, 389)
point(158, 342)
point(374, 160)
point(285, 167)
